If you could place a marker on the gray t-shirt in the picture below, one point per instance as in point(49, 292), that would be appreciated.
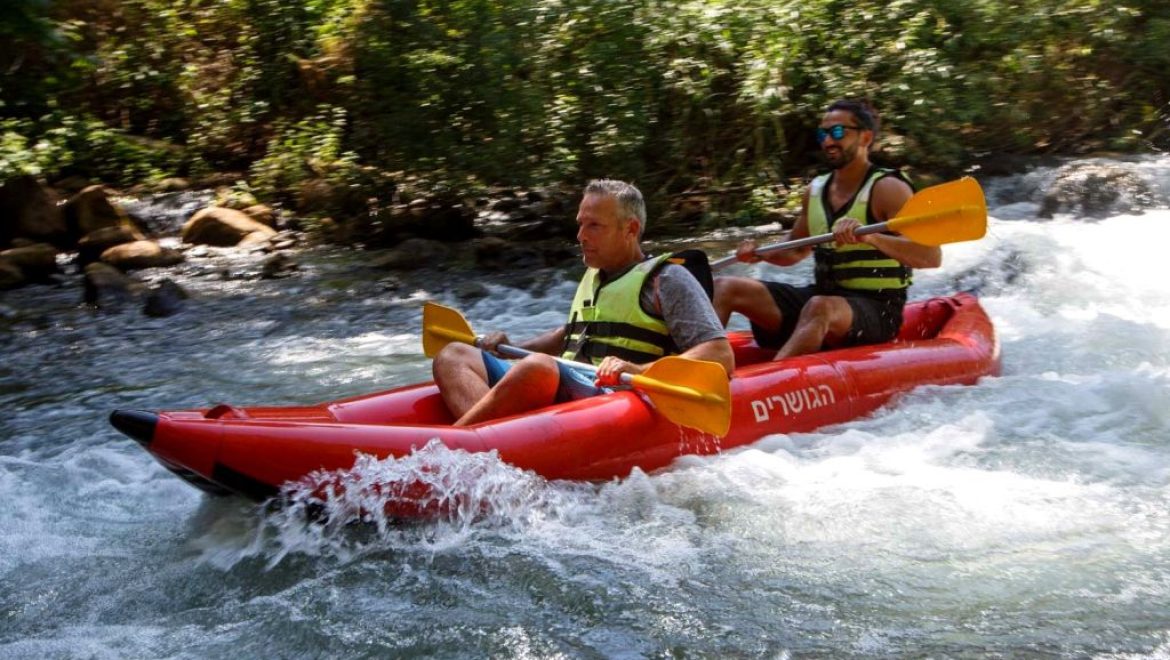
point(685, 307)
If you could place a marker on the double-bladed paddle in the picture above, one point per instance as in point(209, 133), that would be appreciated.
point(950, 212)
point(691, 393)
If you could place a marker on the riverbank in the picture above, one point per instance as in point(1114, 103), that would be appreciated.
point(120, 249)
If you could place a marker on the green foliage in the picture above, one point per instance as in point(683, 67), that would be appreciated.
point(677, 95)
point(306, 149)
point(62, 144)
point(20, 154)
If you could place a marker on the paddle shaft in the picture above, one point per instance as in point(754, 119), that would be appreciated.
point(825, 238)
point(645, 383)
point(626, 379)
point(801, 242)
point(947, 213)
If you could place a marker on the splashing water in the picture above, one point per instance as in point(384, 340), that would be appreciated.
point(453, 489)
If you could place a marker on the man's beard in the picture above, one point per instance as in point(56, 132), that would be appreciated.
point(844, 157)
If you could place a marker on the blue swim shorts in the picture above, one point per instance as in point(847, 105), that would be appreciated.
point(573, 384)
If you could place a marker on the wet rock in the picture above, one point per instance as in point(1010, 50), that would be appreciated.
point(471, 290)
point(11, 276)
point(141, 254)
point(391, 284)
point(276, 266)
point(263, 214)
point(164, 300)
point(994, 276)
point(221, 227)
point(283, 242)
point(37, 262)
point(1095, 190)
point(489, 250)
point(92, 245)
point(413, 253)
point(493, 253)
point(91, 210)
point(257, 240)
point(29, 209)
point(106, 286)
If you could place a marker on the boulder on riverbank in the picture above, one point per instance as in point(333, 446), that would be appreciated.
point(263, 214)
point(92, 245)
point(106, 286)
point(28, 209)
point(10, 275)
point(223, 227)
point(166, 299)
point(91, 210)
point(1096, 190)
point(413, 253)
point(141, 254)
point(36, 262)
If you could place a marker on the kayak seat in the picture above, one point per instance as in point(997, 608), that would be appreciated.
point(921, 320)
point(926, 319)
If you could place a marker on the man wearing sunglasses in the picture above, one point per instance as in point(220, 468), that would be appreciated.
point(860, 281)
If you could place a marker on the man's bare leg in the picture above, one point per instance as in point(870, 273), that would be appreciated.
point(748, 297)
point(822, 318)
point(459, 372)
point(531, 383)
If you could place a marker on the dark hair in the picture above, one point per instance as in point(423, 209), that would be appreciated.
point(862, 111)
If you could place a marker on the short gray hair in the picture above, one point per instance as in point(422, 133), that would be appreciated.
point(629, 199)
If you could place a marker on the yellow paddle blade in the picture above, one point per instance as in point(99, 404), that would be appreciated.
point(950, 212)
point(443, 325)
point(691, 393)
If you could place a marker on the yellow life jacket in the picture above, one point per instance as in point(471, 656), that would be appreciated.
point(859, 266)
point(608, 319)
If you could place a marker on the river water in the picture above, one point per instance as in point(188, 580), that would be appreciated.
point(1026, 516)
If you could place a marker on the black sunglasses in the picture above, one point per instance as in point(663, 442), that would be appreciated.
point(836, 131)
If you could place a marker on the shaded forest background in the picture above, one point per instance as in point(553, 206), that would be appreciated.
point(377, 98)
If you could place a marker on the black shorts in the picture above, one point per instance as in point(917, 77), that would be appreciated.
point(876, 318)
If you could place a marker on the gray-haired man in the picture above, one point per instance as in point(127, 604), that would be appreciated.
point(628, 312)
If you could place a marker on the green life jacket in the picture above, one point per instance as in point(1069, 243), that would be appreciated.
point(859, 266)
point(608, 319)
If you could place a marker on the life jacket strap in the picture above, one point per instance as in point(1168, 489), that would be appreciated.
point(597, 329)
point(593, 350)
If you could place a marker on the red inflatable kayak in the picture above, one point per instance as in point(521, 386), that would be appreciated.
point(253, 451)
